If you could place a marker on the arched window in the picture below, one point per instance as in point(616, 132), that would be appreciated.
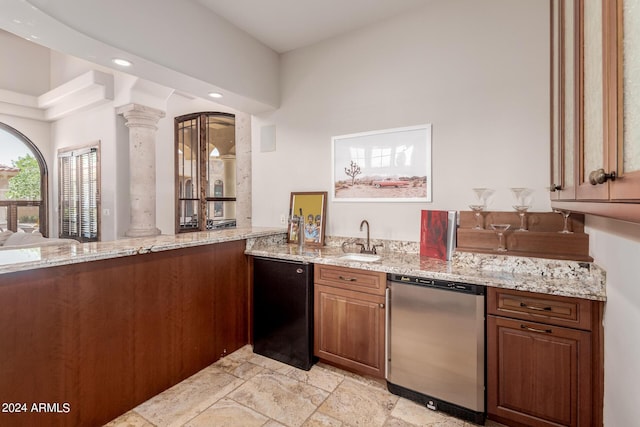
point(23, 183)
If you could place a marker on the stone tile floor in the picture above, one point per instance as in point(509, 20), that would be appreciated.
point(245, 390)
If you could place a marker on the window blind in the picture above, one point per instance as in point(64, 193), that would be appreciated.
point(79, 194)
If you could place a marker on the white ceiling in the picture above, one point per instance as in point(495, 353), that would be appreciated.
point(148, 29)
point(285, 25)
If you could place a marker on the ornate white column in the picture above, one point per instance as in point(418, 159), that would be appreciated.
point(243, 167)
point(142, 123)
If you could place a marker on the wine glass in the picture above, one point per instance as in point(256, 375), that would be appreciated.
point(565, 216)
point(518, 193)
point(522, 195)
point(477, 211)
point(500, 229)
point(522, 212)
point(523, 203)
point(482, 194)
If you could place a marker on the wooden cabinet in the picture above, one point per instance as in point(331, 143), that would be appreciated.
point(104, 336)
point(231, 302)
point(349, 318)
point(544, 359)
point(595, 148)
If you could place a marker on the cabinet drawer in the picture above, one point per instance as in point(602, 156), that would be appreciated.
point(551, 309)
point(354, 279)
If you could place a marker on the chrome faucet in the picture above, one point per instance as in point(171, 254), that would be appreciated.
point(366, 248)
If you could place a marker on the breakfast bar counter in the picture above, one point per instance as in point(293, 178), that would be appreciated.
point(33, 257)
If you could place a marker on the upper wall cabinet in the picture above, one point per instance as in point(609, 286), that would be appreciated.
point(595, 104)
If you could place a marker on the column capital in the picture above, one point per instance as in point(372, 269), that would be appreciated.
point(138, 115)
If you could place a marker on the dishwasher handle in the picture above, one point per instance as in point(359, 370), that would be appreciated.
point(466, 288)
point(387, 330)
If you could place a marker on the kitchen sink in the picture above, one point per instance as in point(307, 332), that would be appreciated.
point(361, 257)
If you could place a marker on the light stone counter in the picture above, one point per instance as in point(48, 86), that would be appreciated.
point(546, 276)
point(556, 277)
point(22, 259)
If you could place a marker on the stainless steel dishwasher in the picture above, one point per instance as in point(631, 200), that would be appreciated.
point(436, 344)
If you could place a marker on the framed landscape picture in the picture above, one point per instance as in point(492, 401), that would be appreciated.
point(392, 165)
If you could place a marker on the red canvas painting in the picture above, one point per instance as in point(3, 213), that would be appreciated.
point(433, 234)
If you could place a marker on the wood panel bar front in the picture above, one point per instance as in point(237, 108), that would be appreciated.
point(90, 341)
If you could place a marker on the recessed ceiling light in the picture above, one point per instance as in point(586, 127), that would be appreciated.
point(215, 94)
point(122, 62)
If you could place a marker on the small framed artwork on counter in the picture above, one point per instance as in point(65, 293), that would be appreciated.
point(307, 210)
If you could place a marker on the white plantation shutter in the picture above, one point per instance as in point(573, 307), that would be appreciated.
point(68, 198)
point(79, 194)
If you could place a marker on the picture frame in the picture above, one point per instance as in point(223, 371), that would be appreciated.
point(391, 165)
point(313, 206)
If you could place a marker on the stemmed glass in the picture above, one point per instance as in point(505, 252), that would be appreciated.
point(522, 212)
point(565, 216)
point(500, 229)
point(482, 194)
point(523, 203)
point(477, 211)
point(519, 193)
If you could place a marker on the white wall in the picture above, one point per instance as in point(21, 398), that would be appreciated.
point(615, 246)
point(33, 77)
point(177, 105)
point(84, 128)
point(477, 71)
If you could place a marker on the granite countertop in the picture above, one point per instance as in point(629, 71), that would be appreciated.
point(546, 276)
point(22, 259)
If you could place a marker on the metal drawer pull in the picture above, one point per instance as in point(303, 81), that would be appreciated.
point(347, 279)
point(542, 331)
point(381, 305)
point(533, 307)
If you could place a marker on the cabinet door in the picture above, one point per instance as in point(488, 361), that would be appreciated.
point(610, 93)
point(349, 329)
point(231, 298)
point(538, 375)
point(593, 151)
point(624, 62)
